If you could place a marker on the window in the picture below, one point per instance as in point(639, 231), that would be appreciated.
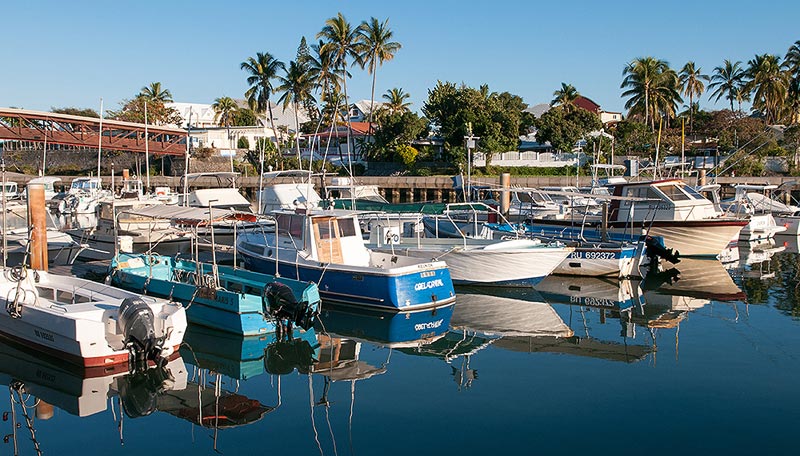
point(325, 228)
point(674, 192)
point(347, 227)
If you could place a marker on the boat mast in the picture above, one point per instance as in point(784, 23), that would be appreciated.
point(100, 138)
point(5, 243)
point(186, 166)
point(146, 149)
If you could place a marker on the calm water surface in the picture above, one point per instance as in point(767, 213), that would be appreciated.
point(703, 358)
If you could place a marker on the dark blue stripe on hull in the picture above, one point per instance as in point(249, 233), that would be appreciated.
point(409, 291)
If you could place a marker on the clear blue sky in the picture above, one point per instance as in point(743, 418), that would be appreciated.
point(71, 53)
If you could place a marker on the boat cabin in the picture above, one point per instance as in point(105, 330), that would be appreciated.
point(131, 188)
point(218, 190)
point(10, 190)
point(49, 183)
point(89, 185)
point(665, 200)
point(329, 236)
point(288, 189)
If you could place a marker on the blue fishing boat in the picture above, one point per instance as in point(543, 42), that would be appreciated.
point(326, 247)
point(395, 330)
point(221, 297)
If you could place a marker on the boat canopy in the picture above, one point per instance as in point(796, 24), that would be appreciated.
point(188, 215)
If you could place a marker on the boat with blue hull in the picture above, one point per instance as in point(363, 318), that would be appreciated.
point(221, 297)
point(389, 330)
point(243, 357)
point(326, 247)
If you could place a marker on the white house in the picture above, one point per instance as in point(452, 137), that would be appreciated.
point(203, 115)
point(359, 111)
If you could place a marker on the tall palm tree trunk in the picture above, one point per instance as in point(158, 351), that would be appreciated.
point(297, 136)
point(349, 125)
point(272, 125)
point(371, 101)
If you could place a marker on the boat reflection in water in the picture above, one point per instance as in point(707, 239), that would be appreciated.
point(39, 383)
point(752, 259)
point(549, 326)
point(219, 360)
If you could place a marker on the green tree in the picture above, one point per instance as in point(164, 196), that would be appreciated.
point(377, 47)
point(407, 154)
point(157, 112)
point(691, 80)
point(341, 40)
point(244, 117)
point(262, 70)
point(769, 85)
point(396, 100)
point(563, 129)
point(727, 81)
point(86, 112)
point(495, 117)
point(296, 87)
point(565, 96)
point(155, 93)
point(395, 129)
point(323, 73)
point(633, 138)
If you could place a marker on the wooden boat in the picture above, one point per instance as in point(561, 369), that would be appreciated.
point(87, 323)
point(221, 297)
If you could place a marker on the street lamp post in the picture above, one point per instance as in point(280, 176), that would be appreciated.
point(470, 142)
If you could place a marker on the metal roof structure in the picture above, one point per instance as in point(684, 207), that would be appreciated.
point(69, 130)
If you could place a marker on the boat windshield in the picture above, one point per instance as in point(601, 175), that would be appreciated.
point(674, 192)
point(694, 193)
point(84, 184)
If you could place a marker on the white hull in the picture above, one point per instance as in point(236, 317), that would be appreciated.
point(503, 316)
point(599, 262)
point(790, 222)
point(76, 319)
point(489, 264)
point(694, 239)
point(761, 227)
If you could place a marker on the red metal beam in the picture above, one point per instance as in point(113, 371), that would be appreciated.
point(35, 126)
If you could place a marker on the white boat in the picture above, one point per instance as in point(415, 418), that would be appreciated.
point(49, 183)
point(124, 219)
point(85, 193)
point(219, 191)
point(487, 262)
point(668, 209)
point(86, 323)
point(754, 203)
point(61, 248)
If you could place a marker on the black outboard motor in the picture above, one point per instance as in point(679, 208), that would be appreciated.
point(138, 328)
point(656, 249)
point(140, 391)
point(283, 357)
point(278, 300)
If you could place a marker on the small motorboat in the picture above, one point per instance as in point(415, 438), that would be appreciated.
point(221, 297)
point(87, 323)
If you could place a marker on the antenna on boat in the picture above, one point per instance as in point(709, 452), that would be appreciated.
point(114, 216)
point(100, 138)
point(214, 269)
point(186, 166)
point(5, 243)
point(146, 149)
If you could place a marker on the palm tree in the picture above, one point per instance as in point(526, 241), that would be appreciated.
point(225, 109)
point(376, 48)
point(341, 40)
point(322, 72)
point(262, 69)
point(155, 93)
point(728, 81)
point(396, 100)
point(792, 64)
point(768, 84)
point(565, 96)
point(652, 87)
point(691, 80)
point(296, 87)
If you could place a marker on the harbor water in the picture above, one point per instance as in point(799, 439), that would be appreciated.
point(699, 358)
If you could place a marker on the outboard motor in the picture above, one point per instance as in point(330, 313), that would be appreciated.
point(140, 391)
point(138, 328)
point(278, 300)
point(283, 357)
point(656, 249)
